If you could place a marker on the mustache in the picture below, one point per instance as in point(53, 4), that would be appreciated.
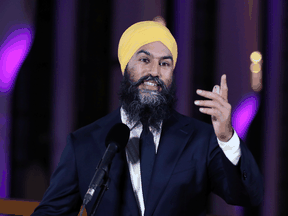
point(147, 78)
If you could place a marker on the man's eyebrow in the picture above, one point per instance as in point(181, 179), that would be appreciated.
point(143, 51)
point(147, 53)
point(167, 57)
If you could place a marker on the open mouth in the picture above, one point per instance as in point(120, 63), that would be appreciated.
point(150, 83)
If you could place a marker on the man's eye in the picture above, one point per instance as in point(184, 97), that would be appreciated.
point(146, 60)
point(164, 64)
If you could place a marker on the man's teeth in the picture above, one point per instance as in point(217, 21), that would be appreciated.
point(150, 83)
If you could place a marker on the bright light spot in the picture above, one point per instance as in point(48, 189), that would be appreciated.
point(255, 68)
point(12, 54)
point(256, 57)
point(244, 114)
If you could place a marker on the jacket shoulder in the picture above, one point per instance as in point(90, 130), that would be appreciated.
point(98, 124)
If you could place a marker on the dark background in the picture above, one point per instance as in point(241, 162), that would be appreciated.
point(70, 77)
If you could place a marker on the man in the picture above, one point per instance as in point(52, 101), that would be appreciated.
point(171, 162)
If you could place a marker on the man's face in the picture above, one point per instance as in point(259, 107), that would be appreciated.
point(147, 91)
point(153, 59)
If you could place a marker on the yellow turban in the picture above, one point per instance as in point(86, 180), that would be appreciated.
point(142, 33)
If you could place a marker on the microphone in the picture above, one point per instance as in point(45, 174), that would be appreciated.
point(116, 141)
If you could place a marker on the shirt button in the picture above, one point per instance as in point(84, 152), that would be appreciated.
point(244, 175)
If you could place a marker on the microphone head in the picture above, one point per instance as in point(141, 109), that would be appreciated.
point(118, 134)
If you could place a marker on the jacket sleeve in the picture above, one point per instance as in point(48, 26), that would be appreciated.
point(237, 185)
point(62, 196)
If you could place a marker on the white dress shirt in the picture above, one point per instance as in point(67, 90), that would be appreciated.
point(231, 149)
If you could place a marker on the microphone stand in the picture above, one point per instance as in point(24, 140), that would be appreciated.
point(104, 187)
point(116, 140)
point(99, 198)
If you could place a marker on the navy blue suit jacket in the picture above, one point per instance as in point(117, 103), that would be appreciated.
point(188, 166)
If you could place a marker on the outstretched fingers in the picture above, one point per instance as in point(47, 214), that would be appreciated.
point(213, 96)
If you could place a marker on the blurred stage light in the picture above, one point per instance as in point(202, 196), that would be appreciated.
point(255, 68)
point(244, 113)
point(256, 71)
point(160, 20)
point(255, 57)
point(12, 54)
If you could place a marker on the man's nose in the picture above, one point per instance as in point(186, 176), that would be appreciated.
point(154, 69)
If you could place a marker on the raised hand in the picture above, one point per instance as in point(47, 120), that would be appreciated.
point(219, 109)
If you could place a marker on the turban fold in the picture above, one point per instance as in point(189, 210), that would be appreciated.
point(142, 33)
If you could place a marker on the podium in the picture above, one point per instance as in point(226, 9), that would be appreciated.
point(24, 207)
point(19, 207)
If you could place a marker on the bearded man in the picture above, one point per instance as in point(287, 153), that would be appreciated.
point(171, 162)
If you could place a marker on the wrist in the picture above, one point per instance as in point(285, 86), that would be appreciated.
point(228, 136)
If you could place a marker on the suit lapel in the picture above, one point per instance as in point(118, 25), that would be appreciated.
point(106, 124)
point(173, 140)
point(119, 172)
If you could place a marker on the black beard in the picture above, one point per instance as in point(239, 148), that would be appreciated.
point(152, 109)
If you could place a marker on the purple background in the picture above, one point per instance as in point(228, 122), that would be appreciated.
point(241, 27)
